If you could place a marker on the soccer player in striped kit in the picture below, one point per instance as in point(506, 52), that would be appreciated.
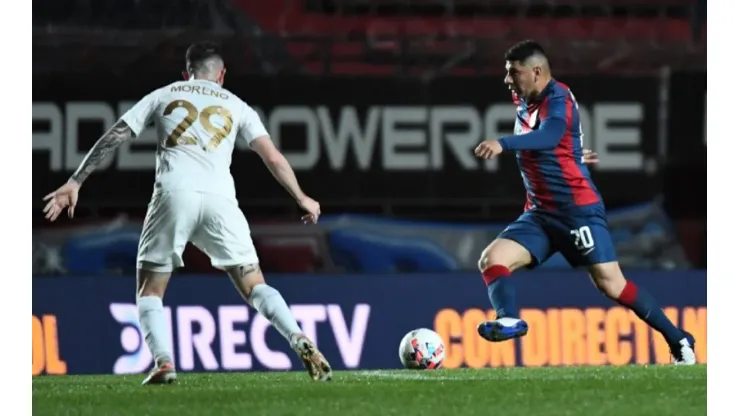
point(564, 211)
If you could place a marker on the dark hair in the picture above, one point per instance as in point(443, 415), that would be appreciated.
point(200, 52)
point(524, 50)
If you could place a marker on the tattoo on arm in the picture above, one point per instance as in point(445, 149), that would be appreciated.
point(111, 140)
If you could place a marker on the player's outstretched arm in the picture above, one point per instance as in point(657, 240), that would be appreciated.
point(65, 197)
point(546, 137)
point(554, 113)
point(551, 131)
point(283, 172)
point(119, 134)
point(278, 165)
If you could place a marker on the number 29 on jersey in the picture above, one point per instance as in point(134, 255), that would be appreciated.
point(217, 134)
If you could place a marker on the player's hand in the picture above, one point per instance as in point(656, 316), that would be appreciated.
point(590, 157)
point(312, 208)
point(489, 149)
point(64, 197)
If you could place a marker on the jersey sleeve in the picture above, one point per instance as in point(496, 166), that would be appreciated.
point(139, 116)
point(556, 108)
point(250, 125)
point(552, 128)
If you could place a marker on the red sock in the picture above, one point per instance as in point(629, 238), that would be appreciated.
point(647, 309)
point(495, 272)
point(501, 292)
point(628, 295)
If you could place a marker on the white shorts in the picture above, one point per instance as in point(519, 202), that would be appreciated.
point(213, 223)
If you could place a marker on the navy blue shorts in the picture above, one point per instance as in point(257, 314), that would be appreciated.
point(582, 236)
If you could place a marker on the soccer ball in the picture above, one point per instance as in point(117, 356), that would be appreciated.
point(421, 349)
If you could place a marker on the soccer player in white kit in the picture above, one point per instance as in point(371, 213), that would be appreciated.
point(197, 123)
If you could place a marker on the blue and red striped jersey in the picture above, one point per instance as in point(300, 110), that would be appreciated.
point(549, 150)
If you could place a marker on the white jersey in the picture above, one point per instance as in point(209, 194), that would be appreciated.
point(197, 124)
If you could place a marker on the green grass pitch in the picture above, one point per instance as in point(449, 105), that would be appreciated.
point(564, 391)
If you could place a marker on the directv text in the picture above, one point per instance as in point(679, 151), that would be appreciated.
point(565, 336)
point(234, 338)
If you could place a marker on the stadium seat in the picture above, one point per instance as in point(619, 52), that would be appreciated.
point(428, 31)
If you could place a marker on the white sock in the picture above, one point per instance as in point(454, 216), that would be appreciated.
point(268, 302)
point(154, 328)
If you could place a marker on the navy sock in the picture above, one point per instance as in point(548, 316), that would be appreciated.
point(501, 291)
point(647, 309)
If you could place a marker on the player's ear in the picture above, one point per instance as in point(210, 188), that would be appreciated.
point(185, 75)
point(222, 75)
point(537, 71)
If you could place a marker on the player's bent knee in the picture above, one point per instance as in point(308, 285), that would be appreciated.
point(483, 262)
point(152, 267)
point(506, 253)
point(151, 283)
point(246, 277)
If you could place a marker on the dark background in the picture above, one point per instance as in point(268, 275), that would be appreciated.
point(385, 53)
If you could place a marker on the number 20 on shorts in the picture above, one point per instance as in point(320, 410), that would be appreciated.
point(583, 238)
